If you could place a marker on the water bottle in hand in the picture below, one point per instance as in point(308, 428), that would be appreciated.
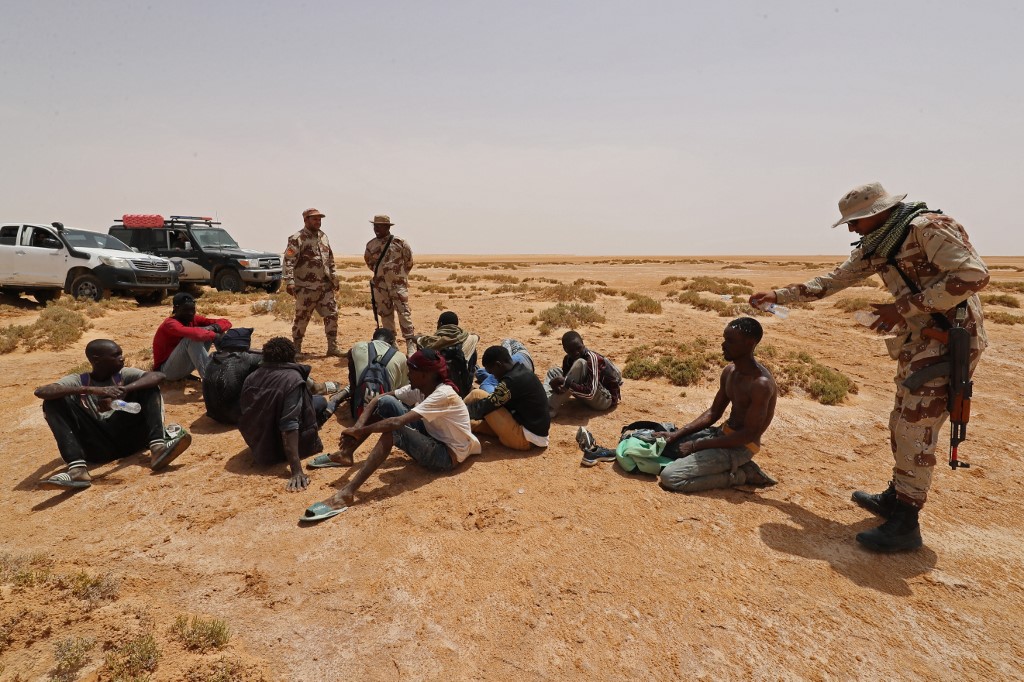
point(123, 406)
point(779, 311)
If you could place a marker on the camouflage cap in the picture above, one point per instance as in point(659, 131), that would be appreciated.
point(311, 212)
point(864, 201)
point(381, 220)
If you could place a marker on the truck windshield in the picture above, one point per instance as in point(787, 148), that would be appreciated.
point(212, 237)
point(94, 240)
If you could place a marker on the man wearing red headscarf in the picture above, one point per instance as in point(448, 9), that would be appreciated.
point(426, 420)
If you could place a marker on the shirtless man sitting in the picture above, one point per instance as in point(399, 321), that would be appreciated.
point(707, 456)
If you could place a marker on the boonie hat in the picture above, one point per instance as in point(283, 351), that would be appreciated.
point(865, 201)
point(236, 338)
point(312, 212)
point(381, 220)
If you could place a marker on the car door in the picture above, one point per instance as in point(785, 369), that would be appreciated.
point(40, 257)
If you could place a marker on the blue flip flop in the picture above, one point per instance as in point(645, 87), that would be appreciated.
point(318, 511)
point(325, 462)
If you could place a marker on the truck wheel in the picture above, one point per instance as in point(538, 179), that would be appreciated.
point(151, 297)
point(228, 279)
point(44, 296)
point(87, 286)
point(272, 287)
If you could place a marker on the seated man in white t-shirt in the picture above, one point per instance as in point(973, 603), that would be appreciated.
point(433, 430)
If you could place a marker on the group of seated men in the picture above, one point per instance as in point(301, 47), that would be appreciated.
point(425, 404)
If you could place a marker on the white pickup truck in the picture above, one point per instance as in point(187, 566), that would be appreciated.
point(45, 260)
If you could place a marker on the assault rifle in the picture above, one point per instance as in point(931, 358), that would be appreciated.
point(957, 367)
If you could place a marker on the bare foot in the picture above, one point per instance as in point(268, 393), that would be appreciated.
point(340, 499)
point(343, 457)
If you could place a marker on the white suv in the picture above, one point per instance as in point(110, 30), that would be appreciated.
point(45, 260)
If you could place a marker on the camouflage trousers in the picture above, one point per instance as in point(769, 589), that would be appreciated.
point(390, 299)
point(322, 301)
point(916, 422)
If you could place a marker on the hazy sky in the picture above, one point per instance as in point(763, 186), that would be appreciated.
point(515, 127)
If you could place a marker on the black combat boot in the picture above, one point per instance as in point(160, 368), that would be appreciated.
point(880, 504)
point(899, 533)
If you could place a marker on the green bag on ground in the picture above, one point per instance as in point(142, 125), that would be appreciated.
point(634, 454)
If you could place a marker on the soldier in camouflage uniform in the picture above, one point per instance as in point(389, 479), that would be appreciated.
point(933, 251)
point(390, 284)
point(309, 277)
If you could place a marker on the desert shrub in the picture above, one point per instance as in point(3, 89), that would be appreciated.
point(570, 315)
point(1005, 300)
point(999, 317)
point(440, 305)
point(720, 285)
point(70, 655)
point(644, 304)
point(349, 296)
point(436, 289)
point(682, 364)
point(545, 329)
point(672, 278)
point(201, 634)
point(90, 588)
point(1013, 287)
point(415, 277)
point(227, 298)
point(568, 292)
point(596, 282)
point(711, 304)
point(520, 288)
point(607, 291)
point(735, 266)
point(130, 661)
point(800, 370)
point(58, 327)
point(852, 304)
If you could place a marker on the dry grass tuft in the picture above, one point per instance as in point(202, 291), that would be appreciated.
point(999, 317)
point(568, 292)
point(92, 589)
point(643, 305)
point(70, 655)
point(720, 285)
point(57, 327)
point(1012, 287)
point(800, 370)
point(130, 661)
point(571, 316)
point(1005, 300)
point(671, 279)
point(683, 364)
point(201, 634)
point(852, 304)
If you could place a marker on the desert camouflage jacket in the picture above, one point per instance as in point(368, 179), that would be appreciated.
point(309, 260)
point(938, 256)
point(397, 262)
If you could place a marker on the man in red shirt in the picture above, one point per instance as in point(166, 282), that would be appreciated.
point(182, 341)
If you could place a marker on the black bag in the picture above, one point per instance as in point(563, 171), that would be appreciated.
point(458, 368)
point(374, 380)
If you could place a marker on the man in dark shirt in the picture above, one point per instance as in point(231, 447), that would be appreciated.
point(227, 371)
point(517, 410)
point(280, 416)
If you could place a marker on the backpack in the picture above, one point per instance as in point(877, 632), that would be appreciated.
point(458, 368)
point(374, 380)
point(638, 450)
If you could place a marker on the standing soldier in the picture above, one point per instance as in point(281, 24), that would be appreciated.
point(929, 265)
point(390, 259)
point(309, 277)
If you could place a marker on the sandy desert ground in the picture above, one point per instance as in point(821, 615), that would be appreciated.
point(530, 567)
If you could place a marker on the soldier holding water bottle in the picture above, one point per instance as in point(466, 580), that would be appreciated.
point(105, 414)
point(934, 274)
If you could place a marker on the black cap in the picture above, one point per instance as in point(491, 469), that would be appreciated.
point(183, 298)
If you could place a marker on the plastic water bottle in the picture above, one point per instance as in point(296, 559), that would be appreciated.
point(123, 406)
point(779, 311)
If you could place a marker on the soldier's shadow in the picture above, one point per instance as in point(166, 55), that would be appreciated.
point(822, 539)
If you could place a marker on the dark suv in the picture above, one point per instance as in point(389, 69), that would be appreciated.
point(208, 254)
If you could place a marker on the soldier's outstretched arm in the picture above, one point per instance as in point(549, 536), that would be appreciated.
point(854, 270)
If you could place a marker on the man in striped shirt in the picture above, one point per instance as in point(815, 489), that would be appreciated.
point(585, 375)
